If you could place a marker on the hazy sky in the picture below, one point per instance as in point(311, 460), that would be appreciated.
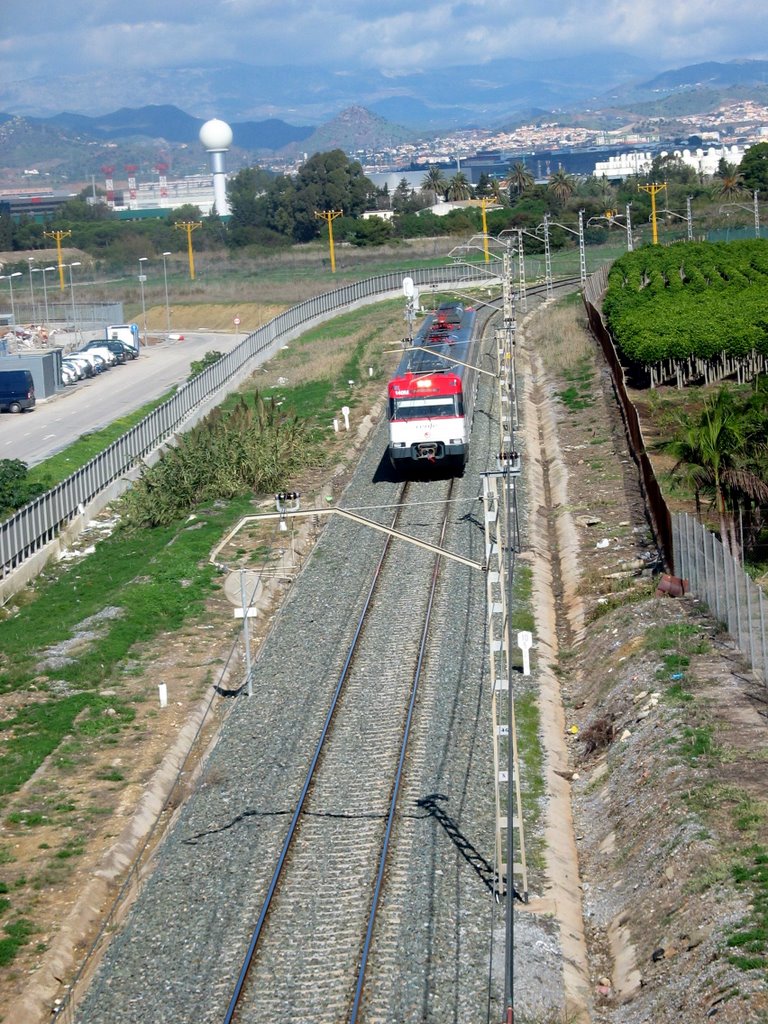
point(394, 36)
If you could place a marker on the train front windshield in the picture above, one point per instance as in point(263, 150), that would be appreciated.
point(425, 408)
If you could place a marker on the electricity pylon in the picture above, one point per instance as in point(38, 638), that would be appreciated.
point(653, 189)
point(189, 226)
point(58, 235)
point(329, 216)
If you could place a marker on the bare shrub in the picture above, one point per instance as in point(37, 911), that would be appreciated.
point(561, 337)
point(599, 735)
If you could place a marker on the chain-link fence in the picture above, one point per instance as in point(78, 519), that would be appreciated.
point(716, 578)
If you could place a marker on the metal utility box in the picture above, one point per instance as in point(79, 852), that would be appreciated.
point(45, 365)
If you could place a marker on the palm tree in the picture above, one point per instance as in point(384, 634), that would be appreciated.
point(459, 187)
point(496, 194)
point(434, 181)
point(714, 454)
point(730, 184)
point(562, 186)
point(520, 178)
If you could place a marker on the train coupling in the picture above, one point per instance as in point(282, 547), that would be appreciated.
point(426, 451)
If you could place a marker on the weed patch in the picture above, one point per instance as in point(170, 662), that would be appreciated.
point(17, 934)
point(578, 394)
point(631, 594)
point(698, 742)
point(522, 617)
point(680, 637)
point(750, 938)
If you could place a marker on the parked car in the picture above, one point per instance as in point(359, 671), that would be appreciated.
point(131, 352)
point(103, 350)
point(103, 362)
point(17, 390)
point(70, 373)
point(115, 347)
point(82, 365)
point(97, 361)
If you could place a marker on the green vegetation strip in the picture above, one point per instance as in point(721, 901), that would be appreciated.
point(750, 938)
point(578, 394)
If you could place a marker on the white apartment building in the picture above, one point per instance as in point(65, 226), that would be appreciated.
point(703, 161)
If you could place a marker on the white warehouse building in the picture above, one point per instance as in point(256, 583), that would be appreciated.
point(703, 161)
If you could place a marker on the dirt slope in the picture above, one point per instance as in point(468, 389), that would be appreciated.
point(665, 740)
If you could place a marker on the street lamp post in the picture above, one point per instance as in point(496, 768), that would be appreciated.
point(72, 295)
point(44, 271)
point(31, 260)
point(167, 307)
point(9, 278)
point(142, 279)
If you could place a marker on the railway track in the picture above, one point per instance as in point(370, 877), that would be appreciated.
point(304, 958)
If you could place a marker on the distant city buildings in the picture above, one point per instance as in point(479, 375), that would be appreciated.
point(703, 161)
point(167, 194)
point(543, 147)
point(546, 147)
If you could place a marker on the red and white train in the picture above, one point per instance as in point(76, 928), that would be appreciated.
point(431, 396)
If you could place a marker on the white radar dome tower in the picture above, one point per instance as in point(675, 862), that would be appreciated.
point(216, 136)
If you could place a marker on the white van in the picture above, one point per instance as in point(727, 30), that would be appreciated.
point(128, 333)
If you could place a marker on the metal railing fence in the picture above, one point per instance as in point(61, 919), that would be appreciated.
point(718, 580)
point(26, 532)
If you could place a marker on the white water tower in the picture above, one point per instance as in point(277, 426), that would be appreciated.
point(216, 136)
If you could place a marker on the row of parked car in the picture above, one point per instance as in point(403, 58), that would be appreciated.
point(95, 357)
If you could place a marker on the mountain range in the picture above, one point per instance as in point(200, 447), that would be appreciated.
point(440, 97)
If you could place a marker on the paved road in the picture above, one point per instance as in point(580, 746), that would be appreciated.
point(94, 403)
